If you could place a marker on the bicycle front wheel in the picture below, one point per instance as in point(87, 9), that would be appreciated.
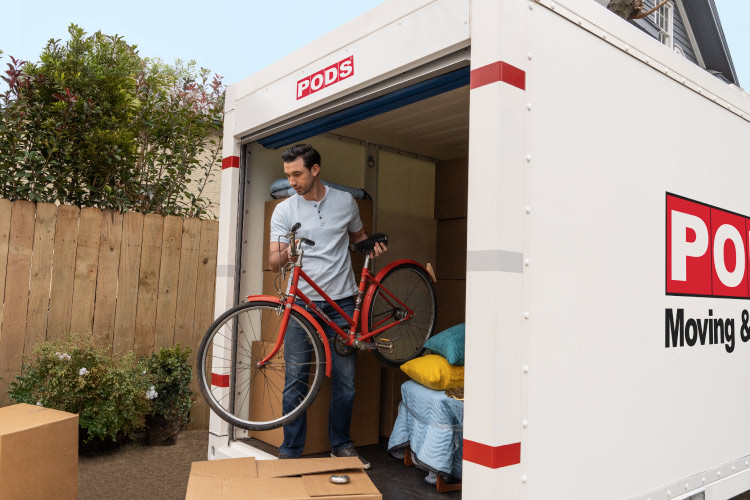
point(404, 286)
point(260, 397)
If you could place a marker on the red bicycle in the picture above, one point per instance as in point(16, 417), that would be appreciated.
point(241, 360)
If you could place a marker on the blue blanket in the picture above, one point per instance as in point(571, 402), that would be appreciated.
point(431, 424)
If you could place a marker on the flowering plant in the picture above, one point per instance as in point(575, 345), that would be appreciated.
point(170, 372)
point(77, 376)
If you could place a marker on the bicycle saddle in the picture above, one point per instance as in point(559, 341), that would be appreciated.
point(368, 245)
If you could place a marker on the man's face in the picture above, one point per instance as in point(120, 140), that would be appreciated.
point(300, 177)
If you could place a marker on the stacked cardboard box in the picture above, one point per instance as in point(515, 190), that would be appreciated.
point(38, 453)
point(365, 417)
point(451, 196)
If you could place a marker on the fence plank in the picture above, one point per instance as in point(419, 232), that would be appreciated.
point(204, 310)
point(185, 311)
point(184, 314)
point(20, 244)
point(63, 272)
point(41, 275)
point(148, 284)
point(168, 280)
point(87, 260)
point(127, 289)
point(4, 235)
point(106, 280)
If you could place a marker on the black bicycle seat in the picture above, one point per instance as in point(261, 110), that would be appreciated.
point(368, 245)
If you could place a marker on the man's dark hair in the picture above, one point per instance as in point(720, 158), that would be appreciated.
point(308, 153)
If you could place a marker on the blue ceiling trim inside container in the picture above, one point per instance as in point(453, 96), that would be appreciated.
point(399, 98)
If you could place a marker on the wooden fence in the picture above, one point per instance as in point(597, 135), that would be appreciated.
point(136, 282)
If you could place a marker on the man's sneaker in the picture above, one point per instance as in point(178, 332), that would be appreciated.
point(350, 452)
point(284, 456)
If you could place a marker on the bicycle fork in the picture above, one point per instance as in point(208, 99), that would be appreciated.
point(287, 305)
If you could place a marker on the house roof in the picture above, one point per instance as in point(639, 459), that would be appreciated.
point(704, 19)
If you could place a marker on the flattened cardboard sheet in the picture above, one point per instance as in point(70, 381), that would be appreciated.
point(248, 479)
point(233, 467)
point(299, 466)
point(320, 485)
point(217, 488)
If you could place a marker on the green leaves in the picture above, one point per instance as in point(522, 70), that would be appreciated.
point(170, 372)
point(77, 376)
point(94, 124)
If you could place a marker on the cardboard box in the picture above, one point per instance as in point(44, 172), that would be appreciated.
point(300, 479)
point(451, 188)
point(38, 453)
point(451, 303)
point(390, 396)
point(451, 249)
point(365, 415)
point(365, 213)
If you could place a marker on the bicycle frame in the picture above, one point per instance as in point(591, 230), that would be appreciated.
point(367, 282)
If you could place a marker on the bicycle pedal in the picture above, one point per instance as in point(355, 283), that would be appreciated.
point(384, 344)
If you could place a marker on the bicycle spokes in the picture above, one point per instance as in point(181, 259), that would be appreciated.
point(245, 381)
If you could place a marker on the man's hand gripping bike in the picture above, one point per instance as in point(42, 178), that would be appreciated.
point(241, 361)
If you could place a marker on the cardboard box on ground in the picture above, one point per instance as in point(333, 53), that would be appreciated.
point(248, 479)
point(38, 453)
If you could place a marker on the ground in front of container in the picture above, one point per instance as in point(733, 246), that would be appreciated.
point(139, 472)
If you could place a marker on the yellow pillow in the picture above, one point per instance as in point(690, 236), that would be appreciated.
point(435, 372)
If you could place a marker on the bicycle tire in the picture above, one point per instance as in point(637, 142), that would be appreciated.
point(226, 366)
point(412, 285)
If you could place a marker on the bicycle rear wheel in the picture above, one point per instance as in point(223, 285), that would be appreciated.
point(412, 287)
point(253, 397)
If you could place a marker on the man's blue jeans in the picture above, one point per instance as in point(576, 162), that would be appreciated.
point(342, 382)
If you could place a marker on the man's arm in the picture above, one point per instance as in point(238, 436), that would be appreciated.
point(362, 235)
point(279, 255)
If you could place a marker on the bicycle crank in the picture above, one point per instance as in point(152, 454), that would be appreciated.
point(341, 348)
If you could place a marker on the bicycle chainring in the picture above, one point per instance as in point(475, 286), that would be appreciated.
point(341, 348)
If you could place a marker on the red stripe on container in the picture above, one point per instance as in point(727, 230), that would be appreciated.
point(219, 380)
point(493, 457)
point(230, 162)
point(498, 72)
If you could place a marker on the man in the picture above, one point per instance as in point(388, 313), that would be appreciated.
point(330, 218)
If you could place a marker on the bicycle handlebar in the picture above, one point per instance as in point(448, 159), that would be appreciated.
point(292, 235)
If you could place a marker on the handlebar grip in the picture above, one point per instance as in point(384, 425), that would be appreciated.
point(295, 227)
point(307, 242)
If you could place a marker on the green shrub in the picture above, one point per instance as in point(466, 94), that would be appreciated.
point(170, 373)
point(76, 376)
point(94, 124)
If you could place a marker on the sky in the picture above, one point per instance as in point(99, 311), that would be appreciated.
point(236, 38)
